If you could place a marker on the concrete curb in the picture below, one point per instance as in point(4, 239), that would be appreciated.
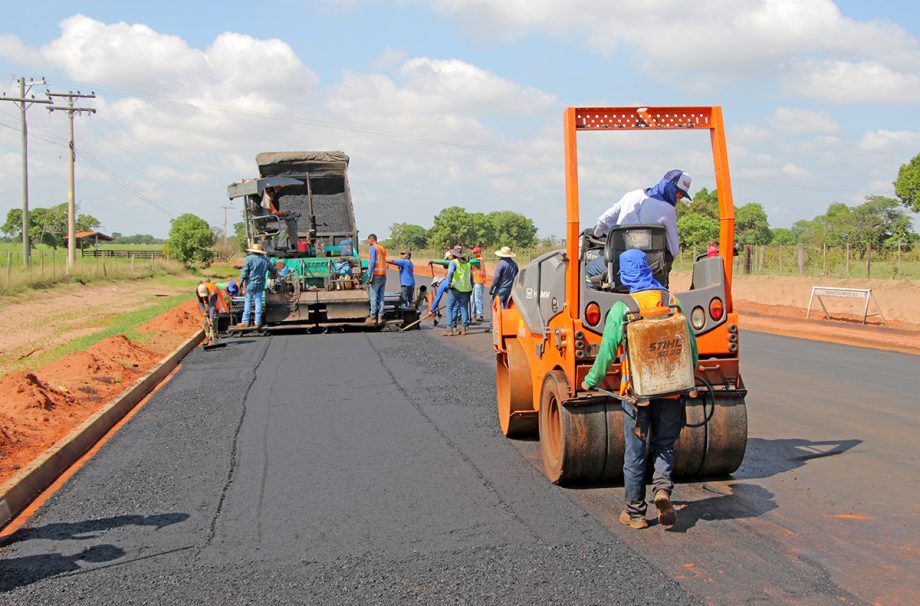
point(17, 492)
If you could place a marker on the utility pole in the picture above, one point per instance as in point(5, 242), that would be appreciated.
point(24, 104)
point(71, 211)
point(226, 208)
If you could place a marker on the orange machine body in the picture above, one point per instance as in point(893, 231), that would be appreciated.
point(564, 350)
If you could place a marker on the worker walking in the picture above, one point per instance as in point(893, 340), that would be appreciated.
point(479, 285)
point(377, 279)
point(255, 270)
point(506, 270)
point(460, 280)
point(654, 427)
point(406, 279)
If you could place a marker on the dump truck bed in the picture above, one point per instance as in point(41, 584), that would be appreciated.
point(327, 171)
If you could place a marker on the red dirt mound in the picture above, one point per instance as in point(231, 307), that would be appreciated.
point(104, 369)
point(24, 392)
point(9, 435)
point(38, 409)
point(184, 319)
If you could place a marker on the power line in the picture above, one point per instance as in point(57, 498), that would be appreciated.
point(103, 169)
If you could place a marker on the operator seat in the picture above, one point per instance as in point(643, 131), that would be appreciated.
point(651, 239)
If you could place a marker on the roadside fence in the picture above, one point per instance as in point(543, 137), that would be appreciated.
point(825, 261)
point(48, 267)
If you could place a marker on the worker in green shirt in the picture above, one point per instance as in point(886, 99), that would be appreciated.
point(659, 423)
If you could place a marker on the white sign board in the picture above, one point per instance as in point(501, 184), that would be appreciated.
point(863, 294)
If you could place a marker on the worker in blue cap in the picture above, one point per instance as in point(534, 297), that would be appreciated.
point(654, 205)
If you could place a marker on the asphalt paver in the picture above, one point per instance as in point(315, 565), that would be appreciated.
point(346, 468)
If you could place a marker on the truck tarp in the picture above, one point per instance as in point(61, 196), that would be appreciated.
point(327, 171)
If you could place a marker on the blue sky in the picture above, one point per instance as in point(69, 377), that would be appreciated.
point(459, 102)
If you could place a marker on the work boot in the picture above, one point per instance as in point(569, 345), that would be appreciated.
point(370, 320)
point(463, 330)
point(637, 522)
point(448, 332)
point(242, 325)
point(667, 516)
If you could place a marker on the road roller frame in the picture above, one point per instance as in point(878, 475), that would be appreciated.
point(545, 342)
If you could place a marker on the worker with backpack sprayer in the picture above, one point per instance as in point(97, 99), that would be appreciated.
point(657, 421)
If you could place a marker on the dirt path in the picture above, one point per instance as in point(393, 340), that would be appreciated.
point(42, 319)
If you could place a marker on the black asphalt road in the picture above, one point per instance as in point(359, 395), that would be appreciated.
point(369, 468)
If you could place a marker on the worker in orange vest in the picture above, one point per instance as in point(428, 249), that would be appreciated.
point(479, 285)
point(377, 279)
point(210, 302)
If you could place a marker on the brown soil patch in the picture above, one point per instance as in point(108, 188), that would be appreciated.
point(165, 332)
point(39, 408)
point(33, 415)
point(183, 318)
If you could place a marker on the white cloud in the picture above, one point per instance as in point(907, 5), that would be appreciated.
point(13, 50)
point(791, 170)
point(753, 39)
point(854, 82)
point(889, 140)
point(798, 121)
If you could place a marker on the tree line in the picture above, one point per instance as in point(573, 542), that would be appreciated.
point(879, 222)
point(454, 225)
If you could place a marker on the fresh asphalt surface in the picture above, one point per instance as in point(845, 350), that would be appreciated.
point(369, 468)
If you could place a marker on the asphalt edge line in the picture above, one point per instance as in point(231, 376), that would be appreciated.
point(17, 492)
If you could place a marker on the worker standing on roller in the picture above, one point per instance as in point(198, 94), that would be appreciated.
point(659, 423)
point(460, 279)
point(377, 279)
point(479, 285)
point(406, 278)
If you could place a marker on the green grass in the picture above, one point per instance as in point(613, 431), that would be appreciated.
point(126, 323)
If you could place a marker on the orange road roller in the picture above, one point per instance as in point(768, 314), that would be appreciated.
point(547, 338)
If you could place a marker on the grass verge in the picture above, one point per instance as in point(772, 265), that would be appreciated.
point(126, 323)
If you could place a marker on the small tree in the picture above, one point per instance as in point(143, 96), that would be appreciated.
point(907, 185)
point(190, 240)
point(409, 236)
point(784, 235)
point(696, 231)
point(751, 225)
point(511, 229)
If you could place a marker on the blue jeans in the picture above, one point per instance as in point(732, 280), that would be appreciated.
point(252, 298)
point(503, 294)
point(407, 296)
point(377, 287)
point(665, 419)
point(458, 308)
point(478, 310)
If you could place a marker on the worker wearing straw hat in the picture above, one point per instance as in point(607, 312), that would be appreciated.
point(506, 270)
point(252, 279)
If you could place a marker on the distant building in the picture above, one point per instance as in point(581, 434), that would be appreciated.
point(90, 238)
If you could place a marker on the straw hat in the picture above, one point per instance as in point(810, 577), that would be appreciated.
point(504, 251)
point(256, 248)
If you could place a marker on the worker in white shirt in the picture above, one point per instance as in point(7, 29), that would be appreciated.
point(655, 205)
